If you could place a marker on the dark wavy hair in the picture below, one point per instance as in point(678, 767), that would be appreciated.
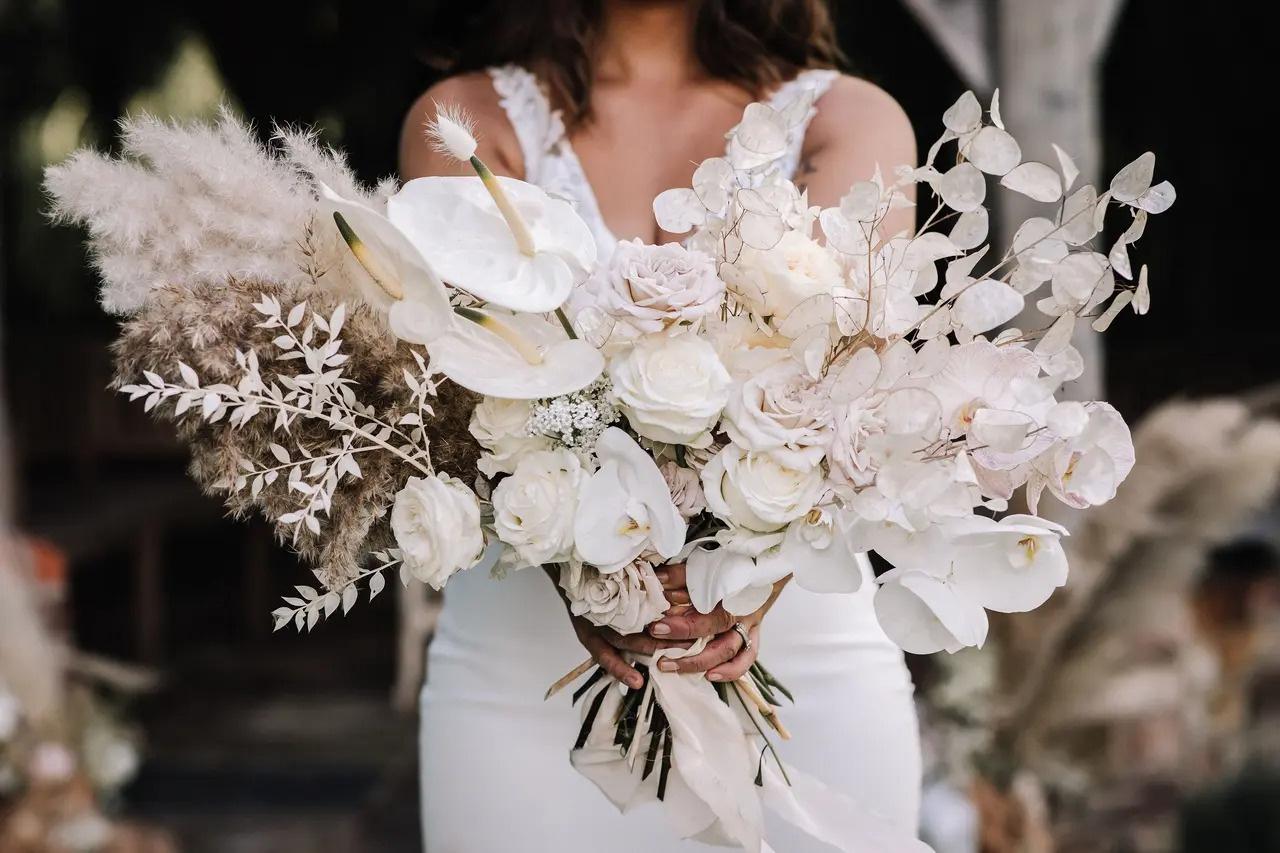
point(756, 44)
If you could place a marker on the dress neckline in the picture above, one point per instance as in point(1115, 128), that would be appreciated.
point(552, 163)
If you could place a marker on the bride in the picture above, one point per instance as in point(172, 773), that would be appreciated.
point(608, 103)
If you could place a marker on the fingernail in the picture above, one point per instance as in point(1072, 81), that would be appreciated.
point(658, 629)
point(715, 676)
point(667, 666)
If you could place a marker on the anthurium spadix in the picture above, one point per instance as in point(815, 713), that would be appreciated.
point(501, 240)
point(514, 356)
point(405, 285)
point(625, 507)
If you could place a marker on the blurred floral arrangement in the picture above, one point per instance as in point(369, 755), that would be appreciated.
point(1056, 713)
point(442, 376)
point(65, 752)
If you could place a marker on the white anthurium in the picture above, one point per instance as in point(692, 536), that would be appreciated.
point(923, 613)
point(1012, 565)
point(625, 507)
point(516, 356)
point(502, 240)
point(407, 287)
point(456, 222)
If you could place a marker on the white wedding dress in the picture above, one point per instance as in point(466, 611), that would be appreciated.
point(496, 776)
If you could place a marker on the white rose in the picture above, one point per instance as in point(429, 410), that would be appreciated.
point(849, 451)
point(756, 491)
point(625, 600)
point(533, 509)
point(499, 426)
point(686, 488)
point(647, 289)
point(672, 389)
point(779, 411)
point(772, 282)
point(436, 523)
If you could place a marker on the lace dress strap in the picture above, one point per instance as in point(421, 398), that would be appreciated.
point(797, 99)
point(539, 129)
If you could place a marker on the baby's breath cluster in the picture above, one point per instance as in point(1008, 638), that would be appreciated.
point(575, 420)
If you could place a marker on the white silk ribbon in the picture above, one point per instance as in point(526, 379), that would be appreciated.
point(711, 795)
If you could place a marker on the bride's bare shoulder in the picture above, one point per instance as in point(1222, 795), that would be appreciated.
point(473, 92)
point(857, 112)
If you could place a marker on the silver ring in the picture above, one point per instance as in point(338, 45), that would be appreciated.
point(742, 632)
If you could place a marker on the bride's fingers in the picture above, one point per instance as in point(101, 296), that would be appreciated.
point(736, 668)
point(671, 575)
point(612, 662)
point(691, 625)
point(721, 649)
point(678, 596)
point(642, 643)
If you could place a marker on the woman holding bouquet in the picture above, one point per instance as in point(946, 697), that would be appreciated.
point(608, 103)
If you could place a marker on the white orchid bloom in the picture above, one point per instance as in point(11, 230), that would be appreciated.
point(1086, 470)
point(407, 287)
point(515, 356)
point(818, 550)
point(923, 613)
point(1012, 565)
point(731, 577)
point(625, 507)
point(502, 240)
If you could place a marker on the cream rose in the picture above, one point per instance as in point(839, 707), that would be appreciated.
point(756, 491)
point(499, 426)
point(848, 450)
point(436, 522)
point(779, 411)
point(686, 488)
point(625, 600)
point(672, 389)
point(533, 509)
point(653, 288)
point(773, 282)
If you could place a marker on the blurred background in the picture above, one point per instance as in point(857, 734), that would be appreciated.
point(145, 704)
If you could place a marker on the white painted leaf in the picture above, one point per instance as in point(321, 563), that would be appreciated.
point(1076, 224)
point(994, 151)
point(985, 305)
point(1069, 169)
point(188, 375)
point(377, 583)
point(862, 202)
point(331, 603)
point(279, 453)
point(679, 210)
point(210, 404)
point(1133, 181)
point(1077, 277)
point(964, 116)
point(857, 376)
point(996, 118)
point(963, 187)
point(1158, 199)
point(296, 314)
point(1103, 322)
point(1142, 296)
point(1058, 336)
point(712, 181)
point(1034, 180)
point(350, 595)
point(971, 229)
point(1001, 430)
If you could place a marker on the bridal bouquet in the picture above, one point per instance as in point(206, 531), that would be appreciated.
point(441, 376)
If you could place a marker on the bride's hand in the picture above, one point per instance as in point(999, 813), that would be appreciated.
point(606, 646)
point(726, 657)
